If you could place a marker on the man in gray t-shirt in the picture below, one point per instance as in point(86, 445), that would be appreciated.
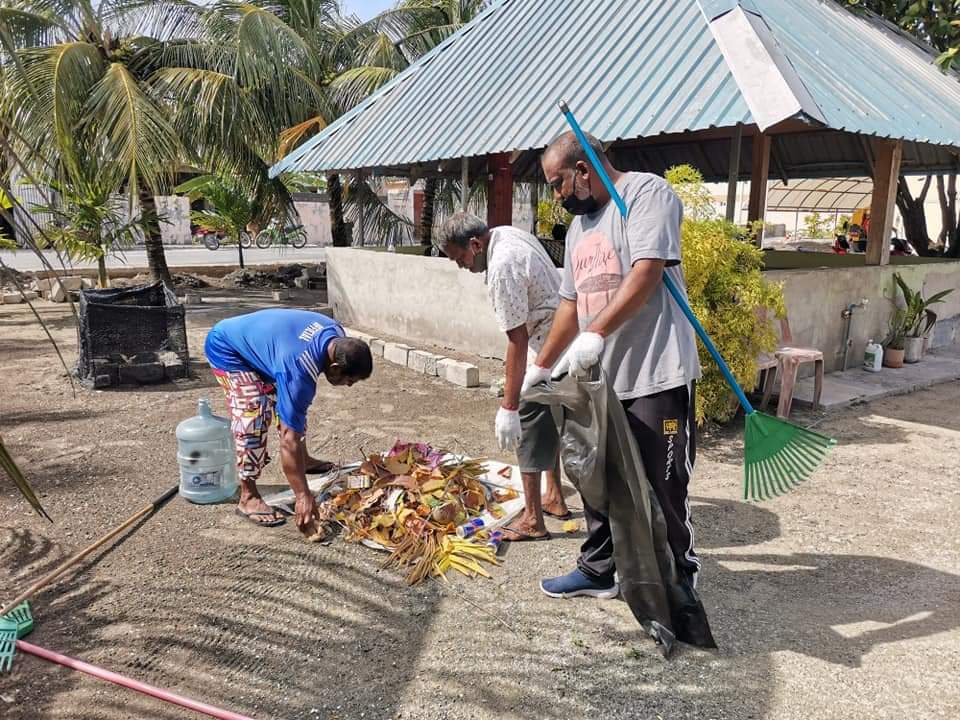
point(616, 311)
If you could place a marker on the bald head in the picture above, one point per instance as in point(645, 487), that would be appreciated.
point(565, 151)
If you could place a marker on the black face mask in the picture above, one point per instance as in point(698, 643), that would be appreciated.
point(580, 206)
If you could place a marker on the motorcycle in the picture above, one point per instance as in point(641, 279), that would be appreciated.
point(213, 239)
point(294, 235)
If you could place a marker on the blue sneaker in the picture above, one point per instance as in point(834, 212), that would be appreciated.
point(577, 583)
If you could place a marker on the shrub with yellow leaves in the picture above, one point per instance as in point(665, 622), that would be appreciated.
point(727, 292)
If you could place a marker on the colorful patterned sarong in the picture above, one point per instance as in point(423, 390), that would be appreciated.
point(251, 402)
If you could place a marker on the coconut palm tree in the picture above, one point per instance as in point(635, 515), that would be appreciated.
point(387, 44)
point(362, 57)
point(75, 86)
point(235, 90)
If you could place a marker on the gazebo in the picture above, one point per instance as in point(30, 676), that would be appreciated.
point(748, 90)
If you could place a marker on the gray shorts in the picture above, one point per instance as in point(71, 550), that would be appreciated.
point(540, 441)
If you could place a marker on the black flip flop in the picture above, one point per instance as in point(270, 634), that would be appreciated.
point(566, 516)
point(522, 536)
point(261, 513)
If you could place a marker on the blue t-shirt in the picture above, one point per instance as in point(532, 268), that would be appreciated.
point(286, 347)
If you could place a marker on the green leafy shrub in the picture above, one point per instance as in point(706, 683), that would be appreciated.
point(727, 292)
point(550, 213)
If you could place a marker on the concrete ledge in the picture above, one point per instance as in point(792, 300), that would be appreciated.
point(424, 362)
point(459, 373)
point(858, 386)
point(396, 353)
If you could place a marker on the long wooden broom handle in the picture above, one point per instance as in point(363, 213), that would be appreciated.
point(73, 560)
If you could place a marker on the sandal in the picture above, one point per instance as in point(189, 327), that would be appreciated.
point(522, 536)
point(249, 516)
point(566, 516)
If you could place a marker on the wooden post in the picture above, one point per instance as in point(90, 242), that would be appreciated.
point(534, 202)
point(500, 191)
point(733, 173)
point(758, 177)
point(886, 172)
point(464, 183)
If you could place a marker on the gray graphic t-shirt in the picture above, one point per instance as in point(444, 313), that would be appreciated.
point(656, 349)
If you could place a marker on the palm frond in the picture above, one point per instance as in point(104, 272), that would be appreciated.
point(26, 28)
point(142, 140)
point(355, 84)
point(16, 475)
point(46, 102)
point(372, 218)
point(291, 137)
point(157, 19)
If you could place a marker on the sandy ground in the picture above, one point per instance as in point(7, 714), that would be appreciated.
point(841, 600)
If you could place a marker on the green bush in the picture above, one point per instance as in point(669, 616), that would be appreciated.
point(727, 292)
point(550, 213)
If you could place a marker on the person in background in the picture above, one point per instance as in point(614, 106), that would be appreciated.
point(615, 311)
point(270, 362)
point(522, 284)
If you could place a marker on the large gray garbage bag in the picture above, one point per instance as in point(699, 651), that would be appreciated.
point(601, 458)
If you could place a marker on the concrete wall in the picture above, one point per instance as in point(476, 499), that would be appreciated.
point(422, 299)
point(431, 301)
point(815, 299)
point(175, 209)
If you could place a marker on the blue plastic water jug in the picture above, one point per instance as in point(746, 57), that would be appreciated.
point(207, 458)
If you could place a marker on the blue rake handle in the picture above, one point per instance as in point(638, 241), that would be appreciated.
point(671, 286)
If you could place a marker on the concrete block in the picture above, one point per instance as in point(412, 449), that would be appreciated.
point(397, 353)
point(11, 298)
point(301, 283)
point(58, 289)
point(376, 347)
point(70, 282)
point(104, 373)
point(459, 373)
point(191, 298)
point(361, 336)
point(142, 374)
point(281, 295)
point(424, 362)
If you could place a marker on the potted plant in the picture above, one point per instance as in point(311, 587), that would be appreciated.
point(893, 346)
point(918, 318)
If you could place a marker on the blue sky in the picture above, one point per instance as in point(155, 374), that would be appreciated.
point(366, 9)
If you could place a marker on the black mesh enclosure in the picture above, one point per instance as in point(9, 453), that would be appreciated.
point(555, 249)
point(140, 326)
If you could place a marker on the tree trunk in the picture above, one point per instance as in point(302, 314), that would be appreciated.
point(153, 242)
point(337, 227)
point(948, 215)
point(103, 280)
point(239, 250)
point(426, 218)
point(914, 216)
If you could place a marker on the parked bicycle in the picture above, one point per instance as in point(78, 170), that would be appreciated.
point(294, 235)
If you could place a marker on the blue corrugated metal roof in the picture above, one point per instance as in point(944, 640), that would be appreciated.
point(865, 76)
point(629, 69)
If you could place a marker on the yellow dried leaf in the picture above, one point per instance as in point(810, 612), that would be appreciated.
point(433, 485)
point(571, 526)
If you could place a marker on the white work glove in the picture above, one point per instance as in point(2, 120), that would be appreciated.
point(584, 352)
point(508, 428)
point(534, 376)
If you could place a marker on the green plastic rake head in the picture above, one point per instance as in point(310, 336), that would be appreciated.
point(778, 455)
point(13, 626)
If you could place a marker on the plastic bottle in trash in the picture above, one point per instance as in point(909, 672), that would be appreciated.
point(207, 458)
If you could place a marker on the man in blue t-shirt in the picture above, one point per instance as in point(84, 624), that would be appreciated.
point(271, 361)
